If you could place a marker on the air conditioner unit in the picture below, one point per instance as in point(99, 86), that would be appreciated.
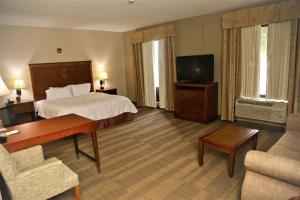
point(261, 110)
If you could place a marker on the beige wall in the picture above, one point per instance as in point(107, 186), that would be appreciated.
point(20, 46)
point(194, 36)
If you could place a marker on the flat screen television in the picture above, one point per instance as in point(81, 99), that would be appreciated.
point(195, 69)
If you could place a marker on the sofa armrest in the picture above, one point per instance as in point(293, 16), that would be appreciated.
point(293, 122)
point(29, 158)
point(38, 183)
point(277, 167)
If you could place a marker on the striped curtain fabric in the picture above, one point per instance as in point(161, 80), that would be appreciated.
point(294, 72)
point(170, 70)
point(231, 72)
point(139, 74)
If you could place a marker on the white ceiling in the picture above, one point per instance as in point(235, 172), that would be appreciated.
point(109, 15)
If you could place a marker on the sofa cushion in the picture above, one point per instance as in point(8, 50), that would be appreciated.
point(8, 165)
point(281, 150)
point(290, 140)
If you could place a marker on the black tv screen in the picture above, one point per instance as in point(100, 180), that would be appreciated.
point(195, 69)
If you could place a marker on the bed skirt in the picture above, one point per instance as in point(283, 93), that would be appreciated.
point(124, 117)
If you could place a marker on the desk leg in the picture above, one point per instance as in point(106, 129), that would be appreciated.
point(96, 151)
point(76, 146)
point(201, 152)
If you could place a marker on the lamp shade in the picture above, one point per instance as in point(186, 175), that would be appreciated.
point(3, 89)
point(103, 76)
point(19, 84)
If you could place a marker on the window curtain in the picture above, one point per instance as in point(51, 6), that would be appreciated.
point(162, 72)
point(279, 38)
point(231, 72)
point(169, 72)
point(139, 73)
point(250, 61)
point(149, 88)
point(294, 74)
point(166, 32)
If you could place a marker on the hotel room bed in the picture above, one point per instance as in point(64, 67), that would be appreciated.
point(103, 108)
point(95, 106)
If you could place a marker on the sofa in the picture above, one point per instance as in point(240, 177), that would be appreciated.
point(275, 174)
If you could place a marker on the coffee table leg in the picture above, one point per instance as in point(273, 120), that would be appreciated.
point(96, 151)
point(76, 146)
point(254, 143)
point(231, 163)
point(201, 151)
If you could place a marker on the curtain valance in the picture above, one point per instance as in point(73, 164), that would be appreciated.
point(155, 33)
point(266, 14)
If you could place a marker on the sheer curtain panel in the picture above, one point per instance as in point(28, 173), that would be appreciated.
point(149, 88)
point(250, 61)
point(279, 39)
point(162, 74)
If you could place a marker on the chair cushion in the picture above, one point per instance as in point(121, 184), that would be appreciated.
point(70, 177)
point(8, 165)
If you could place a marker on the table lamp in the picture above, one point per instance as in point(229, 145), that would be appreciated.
point(103, 77)
point(3, 89)
point(19, 85)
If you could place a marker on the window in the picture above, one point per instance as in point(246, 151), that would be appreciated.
point(263, 61)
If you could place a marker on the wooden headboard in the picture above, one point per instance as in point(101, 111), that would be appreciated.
point(45, 75)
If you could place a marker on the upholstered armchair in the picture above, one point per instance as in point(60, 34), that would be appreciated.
point(28, 176)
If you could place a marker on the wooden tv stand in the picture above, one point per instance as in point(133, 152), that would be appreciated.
point(196, 102)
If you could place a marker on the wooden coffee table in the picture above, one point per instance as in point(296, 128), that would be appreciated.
point(228, 139)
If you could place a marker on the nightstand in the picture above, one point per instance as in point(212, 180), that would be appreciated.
point(23, 111)
point(113, 91)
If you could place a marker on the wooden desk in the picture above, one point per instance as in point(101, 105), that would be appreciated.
point(47, 130)
point(228, 139)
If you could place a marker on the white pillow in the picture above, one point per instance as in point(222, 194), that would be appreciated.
point(58, 93)
point(81, 89)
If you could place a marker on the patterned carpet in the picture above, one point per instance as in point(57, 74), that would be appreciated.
point(154, 157)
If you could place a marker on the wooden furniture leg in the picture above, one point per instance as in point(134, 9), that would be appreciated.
point(76, 146)
point(254, 143)
point(77, 192)
point(96, 151)
point(231, 163)
point(201, 152)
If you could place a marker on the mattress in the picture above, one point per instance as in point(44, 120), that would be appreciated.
point(95, 106)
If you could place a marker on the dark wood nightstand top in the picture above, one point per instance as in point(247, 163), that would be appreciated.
point(20, 102)
point(22, 107)
point(108, 91)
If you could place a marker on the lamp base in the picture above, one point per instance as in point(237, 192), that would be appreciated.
point(101, 84)
point(19, 93)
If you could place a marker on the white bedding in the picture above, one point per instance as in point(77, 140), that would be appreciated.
point(94, 106)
